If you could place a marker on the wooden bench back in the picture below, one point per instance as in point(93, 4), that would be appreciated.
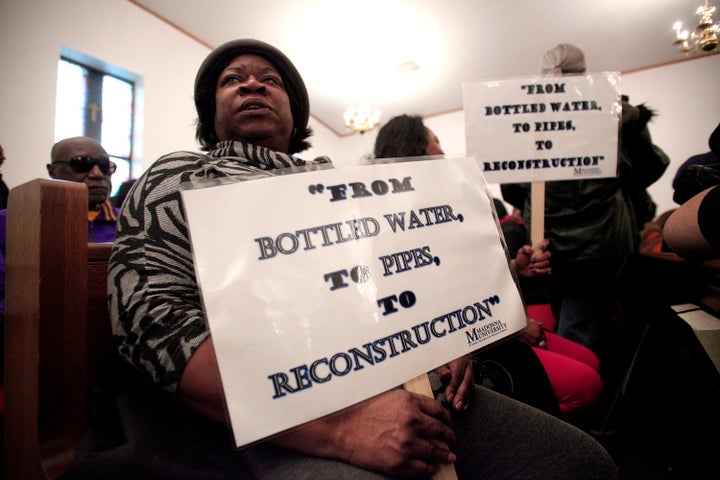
point(57, 327)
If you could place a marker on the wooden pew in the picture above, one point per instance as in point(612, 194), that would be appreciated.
point(57, 328)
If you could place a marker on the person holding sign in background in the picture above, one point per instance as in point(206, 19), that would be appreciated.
point(572, 368)
point(537, 356)
point(693, 231)
point(253, 113)
point(592, 228)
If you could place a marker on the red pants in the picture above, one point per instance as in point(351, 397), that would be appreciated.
point(573, 369)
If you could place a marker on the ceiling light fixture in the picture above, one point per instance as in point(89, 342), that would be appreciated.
point(704, 37)
point(362, 118)
point(407, 67)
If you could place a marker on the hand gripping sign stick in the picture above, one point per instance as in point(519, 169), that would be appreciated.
point(224, 282)
point(421, 385)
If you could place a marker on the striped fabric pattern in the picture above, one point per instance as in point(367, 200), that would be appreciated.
point(155, 308)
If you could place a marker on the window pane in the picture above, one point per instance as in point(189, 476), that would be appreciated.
point(95, 103)
point(70, 103)
point(117, 103)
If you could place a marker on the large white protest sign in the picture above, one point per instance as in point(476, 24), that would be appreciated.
point(324, 288)
point(544, 127)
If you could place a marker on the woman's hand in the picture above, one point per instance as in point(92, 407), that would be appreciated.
point(397, 433)
point(457, 376)
point(533, 334)
point(533, 261)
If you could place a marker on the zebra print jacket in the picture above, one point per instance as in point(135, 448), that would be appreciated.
point(155, 307)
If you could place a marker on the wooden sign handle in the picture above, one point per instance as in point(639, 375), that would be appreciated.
point(537, 213)
point(421, 385)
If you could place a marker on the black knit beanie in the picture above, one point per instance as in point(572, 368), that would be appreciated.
point(209, 72)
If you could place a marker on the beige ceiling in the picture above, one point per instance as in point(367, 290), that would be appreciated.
point(353, 51)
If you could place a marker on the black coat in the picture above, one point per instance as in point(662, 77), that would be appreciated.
point(592, 224)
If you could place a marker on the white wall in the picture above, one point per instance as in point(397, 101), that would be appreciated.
point(687, 100)
point(684, 95)
point(32, 32)
point(116, 31)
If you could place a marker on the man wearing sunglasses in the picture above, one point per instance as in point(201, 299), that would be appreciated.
point(77, 159)
point(82, 159)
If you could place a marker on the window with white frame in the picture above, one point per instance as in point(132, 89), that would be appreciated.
point(98, 100)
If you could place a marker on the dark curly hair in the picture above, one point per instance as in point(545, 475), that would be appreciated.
point(402, 136)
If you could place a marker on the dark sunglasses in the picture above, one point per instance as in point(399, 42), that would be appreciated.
point(84, 163)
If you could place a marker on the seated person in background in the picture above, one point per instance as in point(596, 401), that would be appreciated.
point(77, 159)
point(516, 234)
point(693, 229)
point(698, 173)
point(253, 113)
point(571, 368)
point(406, 136)
point(83, 159)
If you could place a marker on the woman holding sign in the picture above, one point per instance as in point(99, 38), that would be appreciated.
point(543, 366)
point(253, 114)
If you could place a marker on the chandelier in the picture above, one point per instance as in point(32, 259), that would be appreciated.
point(362, 118)
point(704, 37)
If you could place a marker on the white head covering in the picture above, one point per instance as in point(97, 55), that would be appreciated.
point(564, 58)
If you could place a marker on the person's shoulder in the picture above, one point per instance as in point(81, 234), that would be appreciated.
point(181, 154)
point(178, 162)
point(712, 197)
point(706, 158)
